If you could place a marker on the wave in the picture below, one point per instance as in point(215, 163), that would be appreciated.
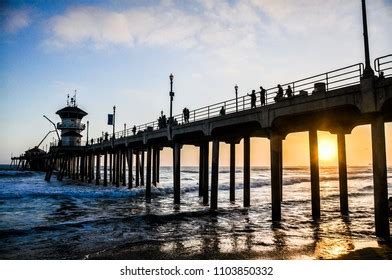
point(16, 173)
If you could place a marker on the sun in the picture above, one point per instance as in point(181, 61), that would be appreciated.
point(327, 149)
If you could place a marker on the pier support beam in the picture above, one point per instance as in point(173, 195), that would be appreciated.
point(206, 148)
point(381, 211)
point(118, 168)
point(72, 167)
point(124, 167)
point(114, 167)
point(92, 167)
point(59, 178)
point(154, 166)
point(137, 169)
point(90, 175)
point(276, 154)
point(342, 173)
point(148, 179)
point(246, 171)
point(214, 175)
point(82, 168)
point(158, 163)
point(232, 172)
point(314, 174)
point(142, 169)
point(98, 169)
point(130, 168)
point(105, 168)
point(111, 167)
point(177, 172)
point(200, 170)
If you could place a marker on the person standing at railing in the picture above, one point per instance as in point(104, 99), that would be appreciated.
point(289, 91)
point(185, 113)
point(262, 96)
point(252, 99)
point(162, 121)
point(222, 111)
point(279, 95)
point(134, 130)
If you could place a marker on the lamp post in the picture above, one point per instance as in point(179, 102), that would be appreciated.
point(368, 71)
point(171, 97)
point(88, 123)
point(236, 97)
point(114, 121)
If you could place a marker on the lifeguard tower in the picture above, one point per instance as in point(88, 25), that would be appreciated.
point(71, 123)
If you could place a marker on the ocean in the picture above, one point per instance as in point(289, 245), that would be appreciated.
point(72, 220)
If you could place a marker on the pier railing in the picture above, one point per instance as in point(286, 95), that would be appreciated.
point(338, 78)
point(383, 64)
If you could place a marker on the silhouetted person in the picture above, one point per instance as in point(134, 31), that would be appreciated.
point(185, 113)
point(162, 122)
point(381, 76)
point(106, 136)
point(279, 95)
point(222, 111)
point(289, 91)
point(253, 99)
point(262, 96)
point(134, 130)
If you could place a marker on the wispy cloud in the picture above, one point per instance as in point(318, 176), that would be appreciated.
point(229, 37)
point(14, 20)
point(164, 25)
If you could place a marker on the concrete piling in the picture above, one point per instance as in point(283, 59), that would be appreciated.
point(148, 178)
point(381, 211)
point(246, 171)
point(232, 172)
point(314, 174)
point(342, 173)
point(177, 172)
point(214, 175)
point(275, 153)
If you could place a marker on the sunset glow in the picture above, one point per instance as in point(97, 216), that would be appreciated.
point(327, 150)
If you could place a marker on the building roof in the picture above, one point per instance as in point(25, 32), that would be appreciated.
point(71, 112)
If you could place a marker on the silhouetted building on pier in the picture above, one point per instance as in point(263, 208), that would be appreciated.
point(71, 124)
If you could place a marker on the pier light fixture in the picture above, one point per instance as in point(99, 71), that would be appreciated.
point(236, 97)
point(171, 97)
point(368, 71)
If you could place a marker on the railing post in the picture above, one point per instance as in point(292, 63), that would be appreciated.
point(208, 114)
point(293, 88)
point(326, 78)
point(194, 115)
point(243, 103)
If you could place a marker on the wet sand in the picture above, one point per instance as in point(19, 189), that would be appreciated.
point(167, 251)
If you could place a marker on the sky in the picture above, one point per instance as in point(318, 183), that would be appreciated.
point(122, 53)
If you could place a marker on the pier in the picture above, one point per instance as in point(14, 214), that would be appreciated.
point(336, 101)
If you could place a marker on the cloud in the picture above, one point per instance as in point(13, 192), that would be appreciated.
point(164, 25)
point(230, 36)
point(14, 20)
